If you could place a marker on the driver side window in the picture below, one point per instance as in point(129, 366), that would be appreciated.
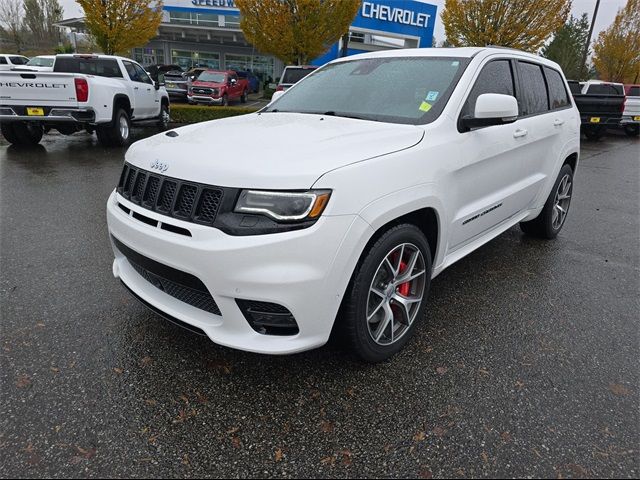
point(142, 75)
point(495, 77)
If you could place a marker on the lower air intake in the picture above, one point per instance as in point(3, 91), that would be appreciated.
point(268, 318)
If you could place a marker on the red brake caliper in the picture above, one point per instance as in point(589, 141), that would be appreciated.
point(404, 288)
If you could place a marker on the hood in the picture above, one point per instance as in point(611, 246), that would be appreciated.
point(270, 150)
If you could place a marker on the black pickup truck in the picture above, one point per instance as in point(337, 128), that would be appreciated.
point(600, 105)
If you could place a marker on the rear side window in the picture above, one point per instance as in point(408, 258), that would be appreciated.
point(557, 91)
point(101, 67)
point(605, 89)
point(575, 87)
point(3, 61)
point(495, 77)
point(534, 89)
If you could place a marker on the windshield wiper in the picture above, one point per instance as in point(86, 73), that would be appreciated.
point(334, 114)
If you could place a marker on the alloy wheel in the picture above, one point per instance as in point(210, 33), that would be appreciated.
point(561, 202)
point(395, 294)
point(123, 125)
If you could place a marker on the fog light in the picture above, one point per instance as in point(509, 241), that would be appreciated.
point(268, 318)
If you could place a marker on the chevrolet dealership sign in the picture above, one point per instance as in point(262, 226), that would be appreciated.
point(394, 14)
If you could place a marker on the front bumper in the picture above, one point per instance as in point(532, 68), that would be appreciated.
point(306, 271)
point(205, 99)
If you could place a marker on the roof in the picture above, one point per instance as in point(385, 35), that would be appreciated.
point(463, 52)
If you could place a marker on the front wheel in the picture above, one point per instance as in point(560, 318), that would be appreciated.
point(554, 213)
point(387, 294)
point(164, 117)
point(243, 98)
point(225, 100)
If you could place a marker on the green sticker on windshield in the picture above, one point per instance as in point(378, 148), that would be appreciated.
point(425, 107)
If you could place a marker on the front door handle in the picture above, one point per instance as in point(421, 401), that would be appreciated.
point(557, 122)
point(521, 132)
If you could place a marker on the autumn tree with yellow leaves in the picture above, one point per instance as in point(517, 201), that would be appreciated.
point(296, 31)
point(522, 24)
point(120, 25)
point(616, 52)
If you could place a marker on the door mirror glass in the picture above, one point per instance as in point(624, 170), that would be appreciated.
point(493, 109)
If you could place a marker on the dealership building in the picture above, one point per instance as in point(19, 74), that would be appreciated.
point(207, 33)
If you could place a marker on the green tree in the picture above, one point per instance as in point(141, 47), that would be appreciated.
point(616, 52)
point(40, 15)
point(567, 46)
point(522, 24)
point(296, 31)
point(120, 25)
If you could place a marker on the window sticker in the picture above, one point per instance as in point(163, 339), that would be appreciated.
point(455, 64)
point(431, 96)
point(424, 107)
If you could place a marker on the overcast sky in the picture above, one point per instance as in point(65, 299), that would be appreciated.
point(606, 14)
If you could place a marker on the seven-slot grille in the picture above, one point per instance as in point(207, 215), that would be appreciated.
point(188, 201)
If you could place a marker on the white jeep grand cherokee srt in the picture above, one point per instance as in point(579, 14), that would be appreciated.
point(355, 188)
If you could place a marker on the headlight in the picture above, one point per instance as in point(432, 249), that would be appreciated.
point(284, 206)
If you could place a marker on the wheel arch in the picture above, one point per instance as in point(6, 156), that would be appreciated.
point(121, 101)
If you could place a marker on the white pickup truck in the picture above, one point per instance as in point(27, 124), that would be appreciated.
point(101, 93)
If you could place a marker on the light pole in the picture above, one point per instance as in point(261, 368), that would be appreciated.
point(586, 46)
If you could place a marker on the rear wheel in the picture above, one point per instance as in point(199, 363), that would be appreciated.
point(554, 213)
point(632, 130)
point(118, 132)
point(387, 294)
point(593, 133)
point(9, 133)
point(20, 133)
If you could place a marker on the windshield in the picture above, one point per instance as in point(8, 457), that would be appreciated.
point(211, 77)
point(294, 75)
point(40, 62)
point(411, 90)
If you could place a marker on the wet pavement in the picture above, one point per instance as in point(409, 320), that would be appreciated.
point(527, 363)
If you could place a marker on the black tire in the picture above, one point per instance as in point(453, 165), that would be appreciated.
point(593, 134)
point(21, 133)
point(543, 225)
point(111, 135)
point(353, 322)
point(243, 98)
point(225, 100)
point(632, 130)
point(9, 133)
point(163, 119)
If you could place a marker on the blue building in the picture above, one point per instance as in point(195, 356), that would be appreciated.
point(207, 33)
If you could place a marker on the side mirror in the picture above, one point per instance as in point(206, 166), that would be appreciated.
point(276, 95)
point(492, 109)
point(160, 82)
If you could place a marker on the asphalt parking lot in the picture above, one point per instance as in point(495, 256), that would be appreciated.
point(527, 364)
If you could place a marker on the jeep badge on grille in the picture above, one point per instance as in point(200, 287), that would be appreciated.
point(158, 165)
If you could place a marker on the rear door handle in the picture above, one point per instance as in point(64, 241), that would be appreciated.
point(135, 88)
point(521, 132)
point(557, 122)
